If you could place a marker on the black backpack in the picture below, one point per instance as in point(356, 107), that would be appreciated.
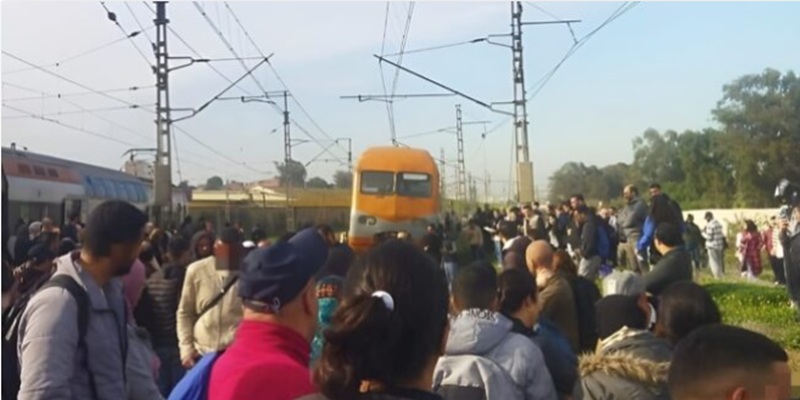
point(11, 320)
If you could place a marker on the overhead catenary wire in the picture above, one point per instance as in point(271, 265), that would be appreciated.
point(537, 87)
point(113, 18)
point(78, 84)
point(136, 19)
point(69, 94)
point(274, 70)
point(81, 111)
point(69, 126)
point(76, 56)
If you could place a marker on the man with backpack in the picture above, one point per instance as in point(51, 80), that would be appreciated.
point(483, 358)
point(72, 339)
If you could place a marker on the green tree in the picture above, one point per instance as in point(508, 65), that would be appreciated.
point(291, 172)
point(214, 183)
point(343, 179)
point(317, 183)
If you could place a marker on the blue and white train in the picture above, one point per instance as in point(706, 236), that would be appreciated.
point(37, 186)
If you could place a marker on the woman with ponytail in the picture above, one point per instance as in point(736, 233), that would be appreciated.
point(389, 331)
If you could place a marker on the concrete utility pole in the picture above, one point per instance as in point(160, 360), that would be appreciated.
point(442, 175)
point(162, 182)
point(462, 169)
point(524, 164)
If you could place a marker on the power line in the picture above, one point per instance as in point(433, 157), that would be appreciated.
point(215, 151)
point(113, 18)
point(135, 18)
point(76, 56)
point(389, 108)
point(75, 128)
point(544, 11)
point(279, 78)
point(537, 87)
point(81, 111)
point(439, 47)
point(73, 94)
point(82, 86)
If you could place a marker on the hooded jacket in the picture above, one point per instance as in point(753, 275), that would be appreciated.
point(630, 365)
point(488, 334)
point(51, 363)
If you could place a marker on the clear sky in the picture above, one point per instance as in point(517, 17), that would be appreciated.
point(660, 65)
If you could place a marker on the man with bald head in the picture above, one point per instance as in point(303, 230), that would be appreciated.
point(556, 299)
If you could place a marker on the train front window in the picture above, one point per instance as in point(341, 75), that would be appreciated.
point(413, 184)
point(379, 183)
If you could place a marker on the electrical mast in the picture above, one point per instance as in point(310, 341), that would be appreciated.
point(524, 165)
point(462, 169)
point(162, 182)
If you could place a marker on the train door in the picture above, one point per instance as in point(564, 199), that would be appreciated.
point(72, 205)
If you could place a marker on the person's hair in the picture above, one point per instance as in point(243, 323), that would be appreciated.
point(655, 185)
point(633, 189)
point(48, 238)
point(178, 246)
point(689, 217)
point(662, 210)
point(508, 229)
point(325, 230)
point(231, 236)
point(709, 214)
point(563, 263)
point(514, 286)
point(258, 235)
point(514, 260)
point(577, 196)
point(684, 307)
point(147, 253)
point(584, 210)
point(669, 234)
point(111, 223)
point(475, 286)
point(66, 246)
point(714, 351)
point(367, 340)
point(74, 216)
point(616, 311)
point(750, 226)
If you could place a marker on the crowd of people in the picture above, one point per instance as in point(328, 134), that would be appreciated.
point(135, 312)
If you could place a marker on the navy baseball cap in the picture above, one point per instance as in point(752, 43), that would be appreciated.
point(40, 253)
point(275, 275)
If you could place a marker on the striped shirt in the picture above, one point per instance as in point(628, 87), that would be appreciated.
point(715, 238)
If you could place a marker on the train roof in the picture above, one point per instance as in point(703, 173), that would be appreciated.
point(79, 167)
point(401, 157)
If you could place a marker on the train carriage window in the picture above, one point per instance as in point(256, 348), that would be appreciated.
point(412, 184)
point(142, 194)
point(38, 171)
point(130, 189)
point(51, 172)
point(108, 187)
point(122, 193)
point(373, 182)
point(24, 169)
point(91, 188)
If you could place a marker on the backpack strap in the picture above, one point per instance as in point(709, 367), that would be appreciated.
point(82, 298)
point(226, 286)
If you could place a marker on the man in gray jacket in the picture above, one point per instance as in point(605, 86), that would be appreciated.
point(630, 222)
point(479, 330)
point(54, 365)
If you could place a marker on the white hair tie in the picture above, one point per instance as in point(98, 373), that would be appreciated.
point(387, 299)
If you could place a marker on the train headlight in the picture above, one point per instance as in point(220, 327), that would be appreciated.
point(367, 220)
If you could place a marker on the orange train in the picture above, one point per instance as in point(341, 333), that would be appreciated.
point(394, 190)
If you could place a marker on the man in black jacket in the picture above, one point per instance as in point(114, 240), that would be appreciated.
point(589, 266)
point(675, 265)
point(164, 289)
point(790, 239)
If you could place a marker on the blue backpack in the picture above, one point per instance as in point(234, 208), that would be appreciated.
point(194, 385)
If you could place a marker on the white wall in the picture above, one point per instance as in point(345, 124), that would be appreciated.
point(727, 216)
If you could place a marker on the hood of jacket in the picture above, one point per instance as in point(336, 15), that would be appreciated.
point(639, 343)
point(196, 238)
point(476, 332)
point(625, 366)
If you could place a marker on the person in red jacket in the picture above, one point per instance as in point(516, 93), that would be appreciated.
point(269, 357)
